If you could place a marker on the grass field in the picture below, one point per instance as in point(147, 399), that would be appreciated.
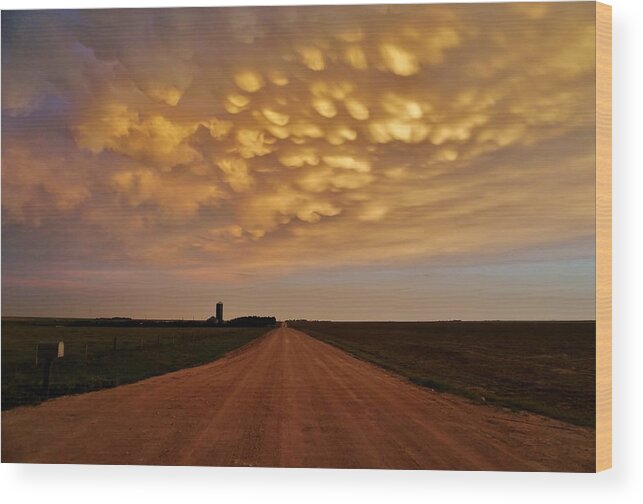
point(543, 367)
point(91, 363)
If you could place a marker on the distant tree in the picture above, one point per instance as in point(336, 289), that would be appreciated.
point(252, 321)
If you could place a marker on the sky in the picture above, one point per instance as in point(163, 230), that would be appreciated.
point(419, 162)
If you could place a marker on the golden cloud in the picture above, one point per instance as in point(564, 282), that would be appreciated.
point(399, 132)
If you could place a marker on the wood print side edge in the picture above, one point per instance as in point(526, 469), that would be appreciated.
point(603, 237)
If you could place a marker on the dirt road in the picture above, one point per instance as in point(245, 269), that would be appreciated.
point(289, 400)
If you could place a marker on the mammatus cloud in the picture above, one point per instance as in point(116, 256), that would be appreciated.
point(253, 138)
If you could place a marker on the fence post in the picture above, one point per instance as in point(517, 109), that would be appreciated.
point(86, 353)
point(46, 368)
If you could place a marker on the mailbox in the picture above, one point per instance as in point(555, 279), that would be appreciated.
point(50, 350)
point(46, 353)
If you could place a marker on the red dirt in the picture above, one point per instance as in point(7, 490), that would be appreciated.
point(288, 400)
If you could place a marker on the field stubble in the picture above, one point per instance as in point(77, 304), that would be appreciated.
point(101, 357)
point(543, 367)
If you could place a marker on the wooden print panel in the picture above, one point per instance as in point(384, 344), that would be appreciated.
point(406, 210)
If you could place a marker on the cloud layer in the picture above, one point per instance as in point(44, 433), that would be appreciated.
point(221, 141)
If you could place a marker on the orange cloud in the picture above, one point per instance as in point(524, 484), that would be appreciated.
point(403, 132)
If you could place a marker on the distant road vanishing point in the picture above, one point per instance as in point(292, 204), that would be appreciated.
point(289, 400)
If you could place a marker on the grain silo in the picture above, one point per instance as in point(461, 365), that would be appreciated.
point(219, 314)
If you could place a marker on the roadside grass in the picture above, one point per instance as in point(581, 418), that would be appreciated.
point(91, 363)
point(543, 367)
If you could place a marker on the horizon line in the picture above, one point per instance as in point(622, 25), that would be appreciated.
point(3, 317)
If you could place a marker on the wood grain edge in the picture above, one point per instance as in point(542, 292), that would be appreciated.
point(603, 237)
